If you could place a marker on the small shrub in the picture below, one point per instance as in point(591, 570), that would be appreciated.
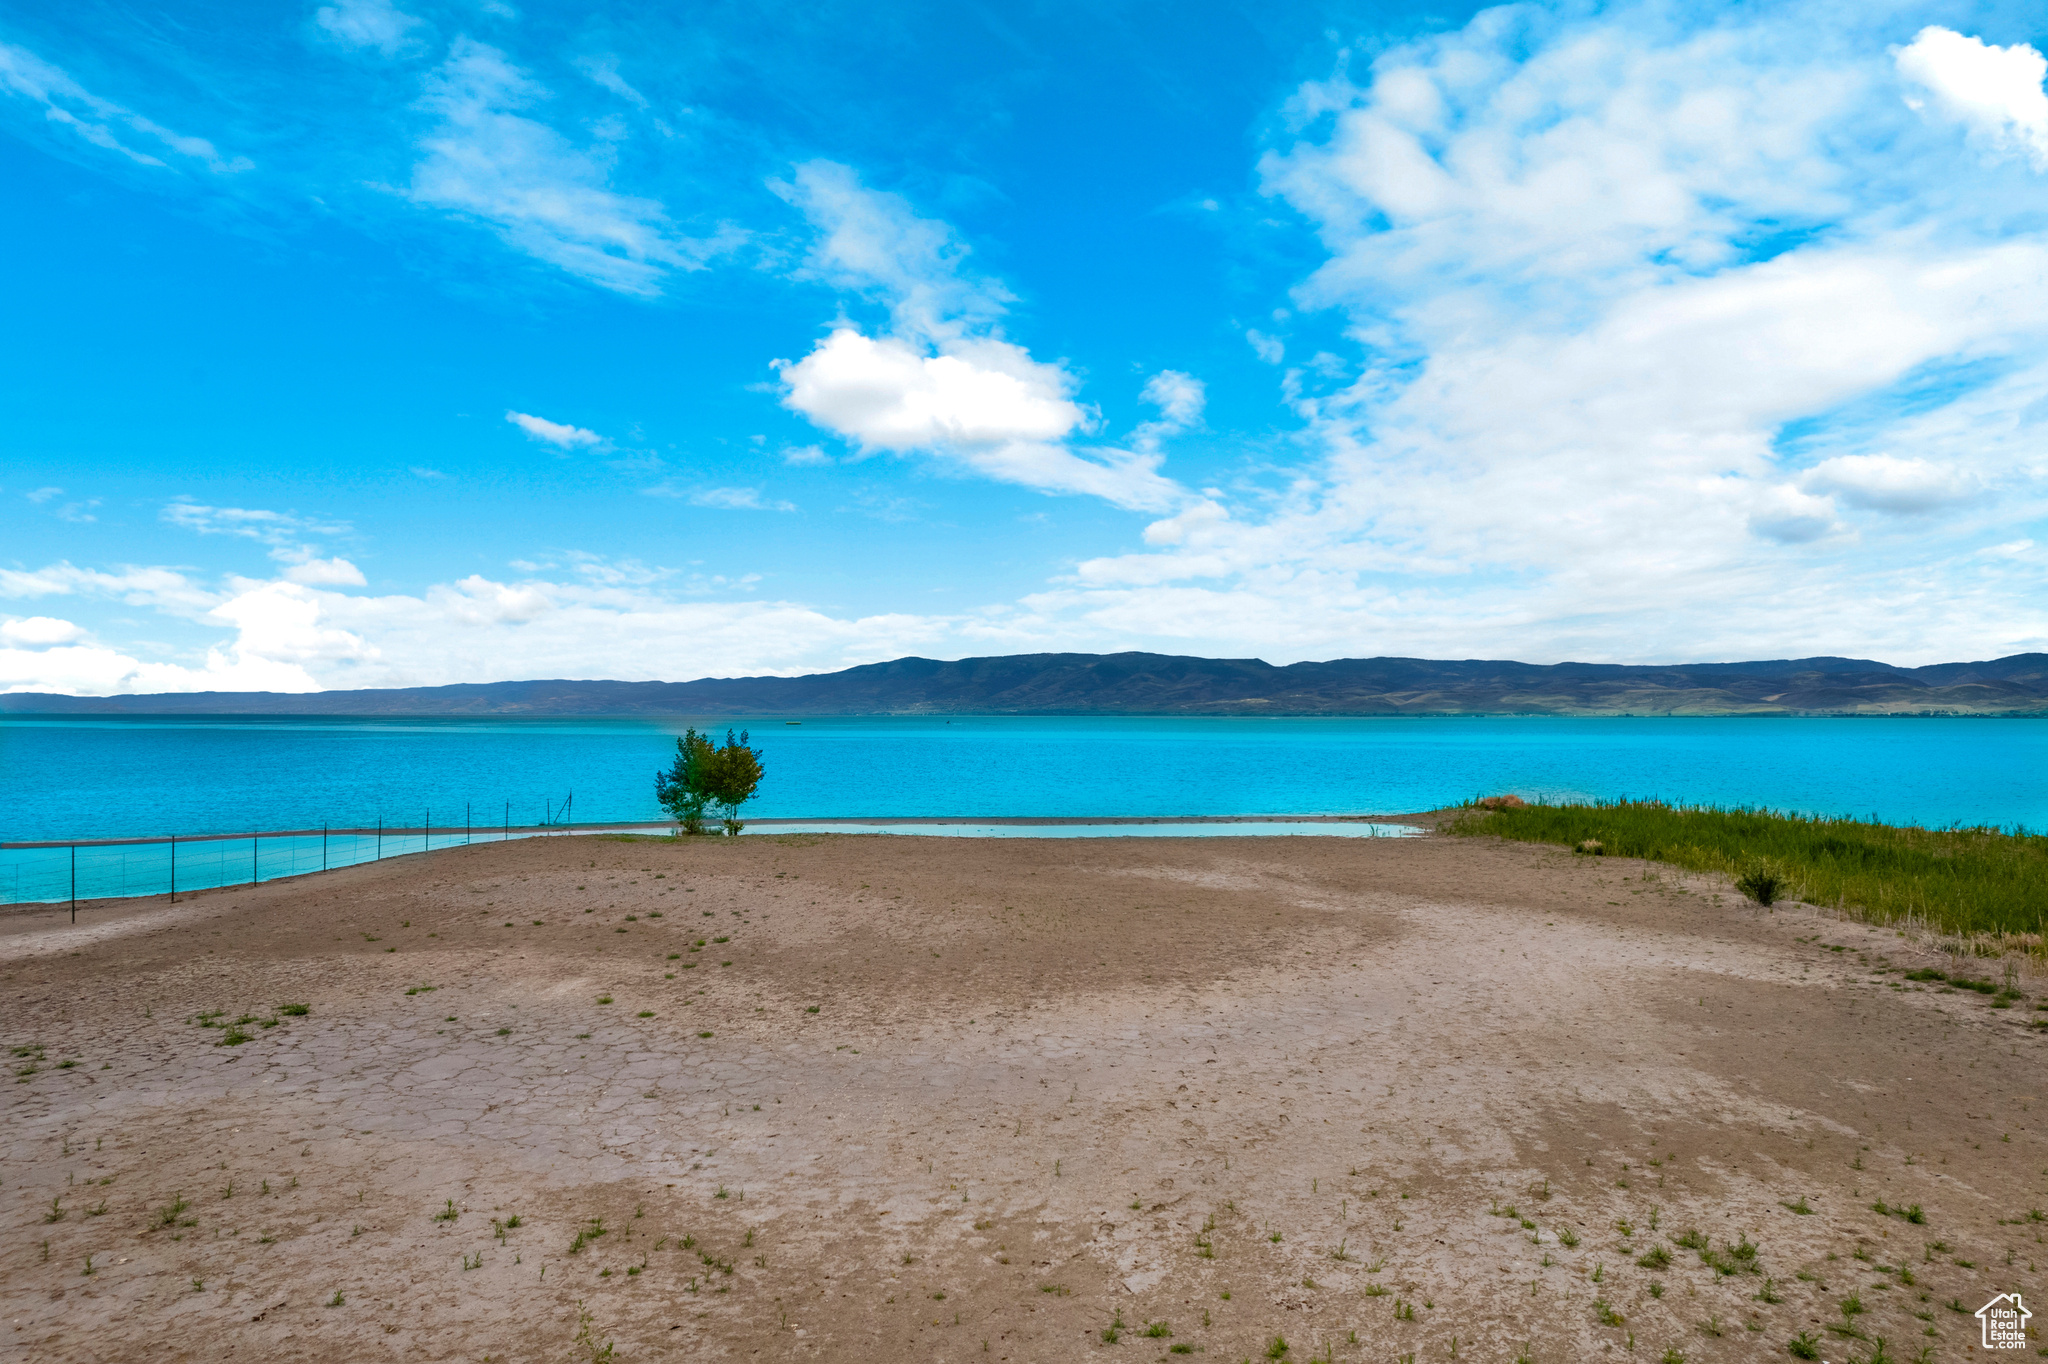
point(1761, 883)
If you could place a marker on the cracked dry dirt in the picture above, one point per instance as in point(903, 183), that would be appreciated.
point(936, 1099)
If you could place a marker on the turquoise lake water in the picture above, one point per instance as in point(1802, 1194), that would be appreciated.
point(128, 777)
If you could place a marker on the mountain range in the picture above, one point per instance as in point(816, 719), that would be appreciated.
point(1168, 684)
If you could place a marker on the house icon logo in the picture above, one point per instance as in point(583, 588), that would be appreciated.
point(2005, 1322)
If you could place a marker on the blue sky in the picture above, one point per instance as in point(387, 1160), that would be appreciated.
point(378, 343)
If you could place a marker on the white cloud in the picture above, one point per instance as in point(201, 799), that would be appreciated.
point(887, 394)
point(605, 72)
point(1270, 349)
point(326, 573)
point(805, 455)
point(274, 528)
point(726, 499)
point(984, 404)
point(945, 382)
point(278, 636)
point(1789, 516)
point(42, 495)
point(1993, 91)
point(284, 636)
point(38, 631)
point(1887, 483)
point(1597, 266)
point(543, 195)
point(873, 243)
point(102, 122)
point(375, 24)
point(1179, 397)
point(557, 434)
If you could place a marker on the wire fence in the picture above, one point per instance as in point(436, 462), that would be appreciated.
point(74, 870)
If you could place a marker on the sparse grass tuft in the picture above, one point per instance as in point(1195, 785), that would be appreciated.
point(1957, 880)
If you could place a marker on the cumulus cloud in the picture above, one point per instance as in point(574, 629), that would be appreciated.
point(103, 123)
point(39, 631)
point(984, 404)
point(376, 24)
point(557, 434)
point(945, 382)
point(1995, 92)
point(278, 636)
point(489, 160)
point(887, 394)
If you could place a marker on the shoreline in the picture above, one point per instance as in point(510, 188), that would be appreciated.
point(483, 832)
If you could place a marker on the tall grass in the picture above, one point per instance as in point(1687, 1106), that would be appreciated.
point(1965, 881)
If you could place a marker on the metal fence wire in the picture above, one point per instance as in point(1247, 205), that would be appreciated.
point(64, 871)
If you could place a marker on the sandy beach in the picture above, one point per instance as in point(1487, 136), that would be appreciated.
point(890, 1098)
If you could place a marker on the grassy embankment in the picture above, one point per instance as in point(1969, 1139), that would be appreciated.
point(1966, 882)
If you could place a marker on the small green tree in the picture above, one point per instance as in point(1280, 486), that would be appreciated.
point(684, 788)
point(734, 775)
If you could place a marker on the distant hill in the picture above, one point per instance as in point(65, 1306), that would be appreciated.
point(1168, 684)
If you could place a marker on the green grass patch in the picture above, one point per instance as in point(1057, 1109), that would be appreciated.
point(1954, 880)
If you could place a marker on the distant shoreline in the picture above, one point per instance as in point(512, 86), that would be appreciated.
point(492, 832)
point(1134, 685)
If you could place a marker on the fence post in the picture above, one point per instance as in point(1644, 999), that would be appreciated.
point(465, 824)
point(74, 883)
point(380, 840)
point(427, 840)
point(253, 839)
point(174, 869)
point(323, 845)
point(508, 821)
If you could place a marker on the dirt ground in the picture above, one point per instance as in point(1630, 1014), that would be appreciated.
point(890, 1098)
